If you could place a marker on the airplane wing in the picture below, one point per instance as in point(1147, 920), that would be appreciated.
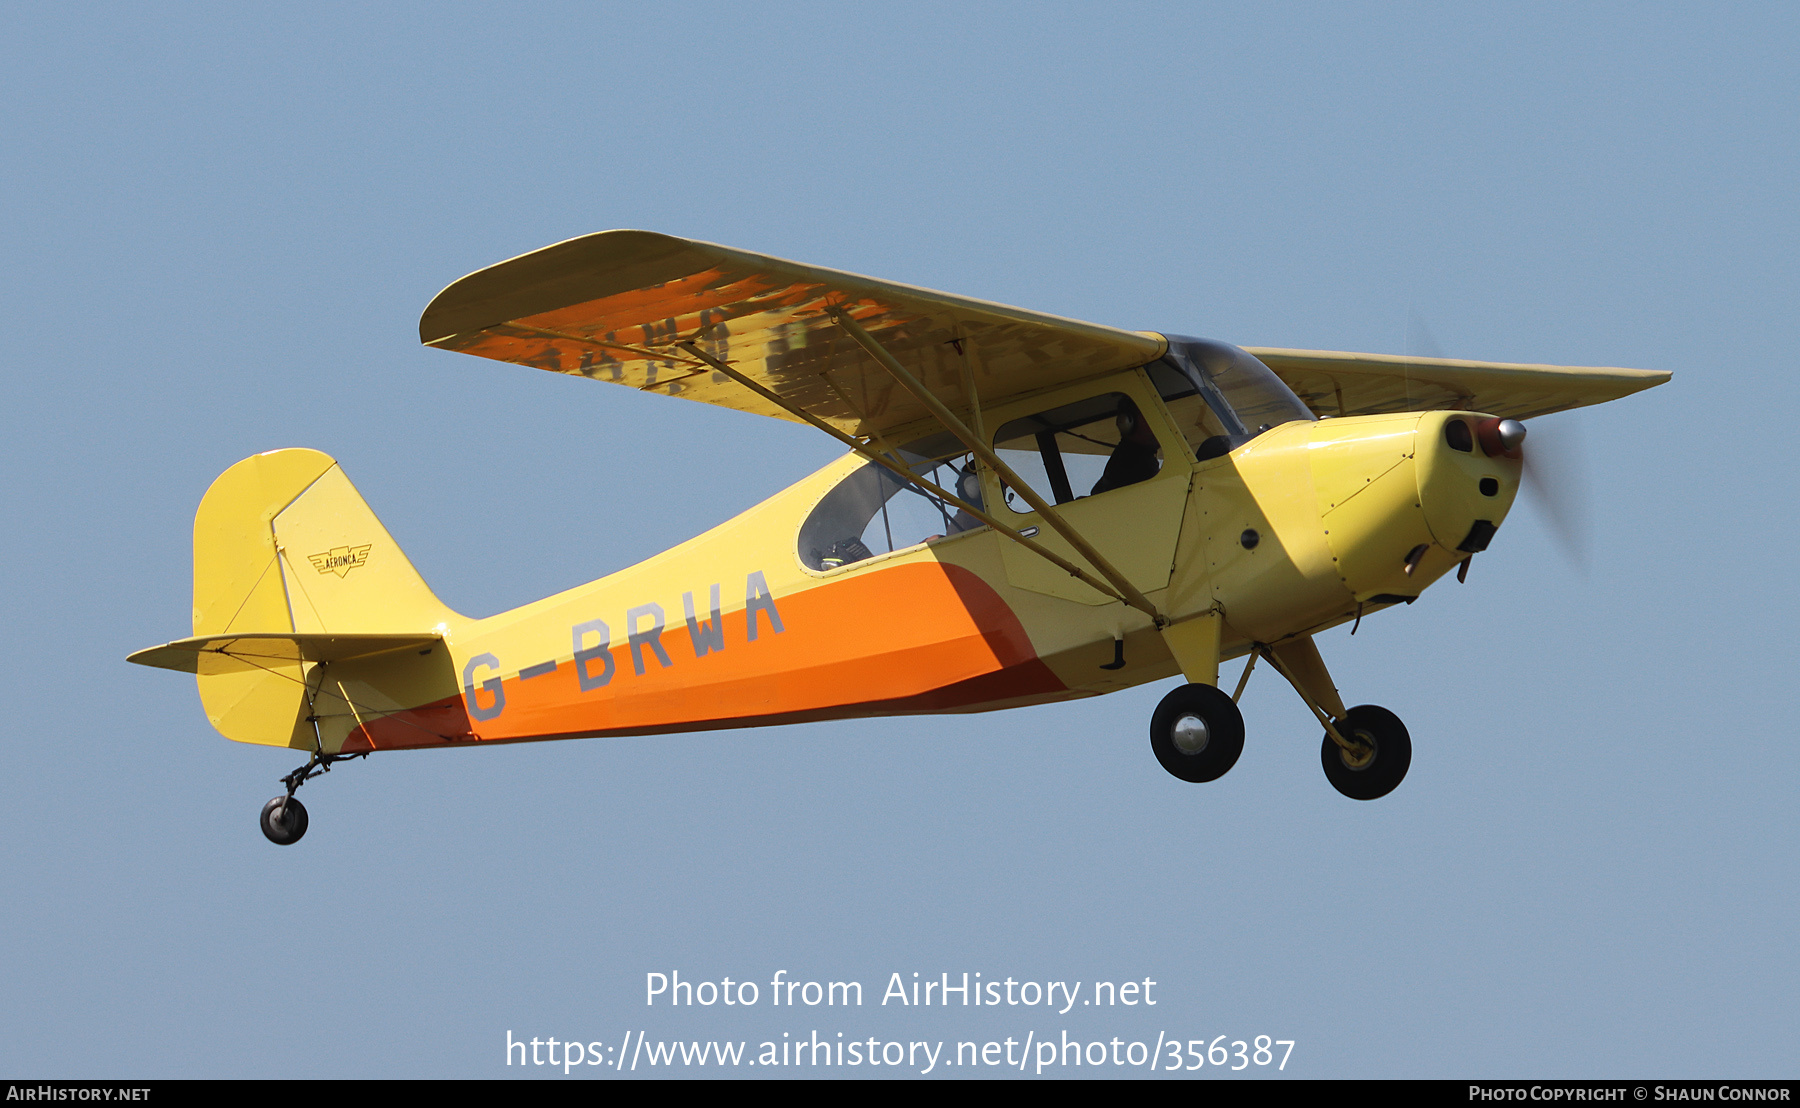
point(1339, 384)
point(612, 306)
point(213, 654)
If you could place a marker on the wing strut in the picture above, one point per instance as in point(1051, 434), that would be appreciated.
point(1122, 588)
point(906, 474)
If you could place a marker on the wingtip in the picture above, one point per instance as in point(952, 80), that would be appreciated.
point(164, 657)
point(505, 289)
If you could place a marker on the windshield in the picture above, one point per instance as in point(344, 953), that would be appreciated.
point(1233, 396)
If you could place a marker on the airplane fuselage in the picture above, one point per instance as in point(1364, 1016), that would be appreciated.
point(1306, 526)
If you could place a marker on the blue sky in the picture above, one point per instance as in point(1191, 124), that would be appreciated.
point(223, 223)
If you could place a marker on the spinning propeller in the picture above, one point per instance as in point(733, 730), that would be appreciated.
point(1556, 477)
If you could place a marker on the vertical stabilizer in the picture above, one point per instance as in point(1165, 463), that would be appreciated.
point(284, 543)
point(342, 571)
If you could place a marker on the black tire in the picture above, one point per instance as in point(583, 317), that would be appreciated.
point(1384, 772)
point(284, 820)
point(1223, 733)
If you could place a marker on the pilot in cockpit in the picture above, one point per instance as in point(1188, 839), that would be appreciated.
point(1134, 459)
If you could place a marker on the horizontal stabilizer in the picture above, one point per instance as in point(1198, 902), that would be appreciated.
point(217, 654)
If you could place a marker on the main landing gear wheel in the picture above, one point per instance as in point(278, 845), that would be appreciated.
point(284, 820)
point(1379, 765)
point(1197, 733)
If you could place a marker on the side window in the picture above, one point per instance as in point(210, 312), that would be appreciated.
point(1080, 449)
point(872, 511)
point(1199, 424)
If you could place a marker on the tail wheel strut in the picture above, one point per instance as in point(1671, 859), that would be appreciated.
point(284, 817)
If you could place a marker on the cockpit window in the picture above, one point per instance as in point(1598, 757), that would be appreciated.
point(872, 511)
point(1080, 449)
point(1221, 395)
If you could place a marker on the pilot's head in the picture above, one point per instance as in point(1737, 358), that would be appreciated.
point(1132, 427)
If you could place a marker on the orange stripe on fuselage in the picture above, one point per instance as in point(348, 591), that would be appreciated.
point(920, 637)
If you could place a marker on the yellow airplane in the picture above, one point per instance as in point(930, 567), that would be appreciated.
point(1032, 509)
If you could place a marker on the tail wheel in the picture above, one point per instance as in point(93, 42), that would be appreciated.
point(284, 820)
point(1197, 733)
point(1382, 757)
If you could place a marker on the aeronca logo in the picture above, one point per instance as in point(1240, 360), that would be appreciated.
point(340, 559)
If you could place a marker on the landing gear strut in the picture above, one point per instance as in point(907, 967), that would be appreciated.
point(284, 817)
point(1197, 733)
